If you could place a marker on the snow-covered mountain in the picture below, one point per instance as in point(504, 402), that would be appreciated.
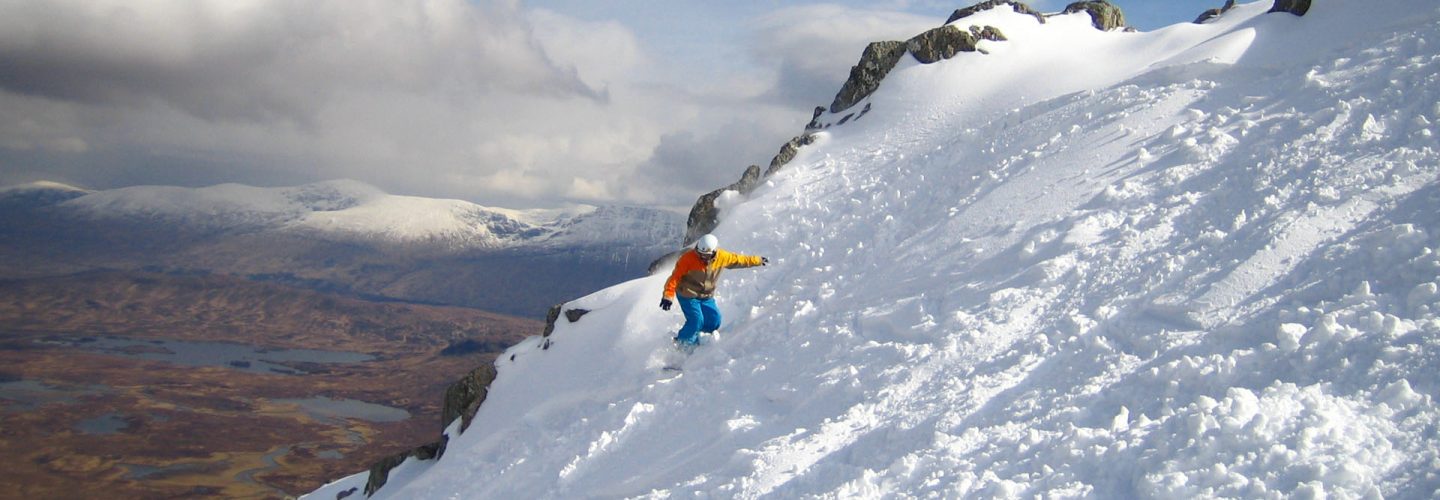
point(350, 210)
point(1194, 262)
point(337, 236)
point(38, 194)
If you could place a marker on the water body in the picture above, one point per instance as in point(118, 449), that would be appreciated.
point(271, 461)
point(109, 423)
point(223, 354)
point(322, 408)
point(27, 395)
point(138, 471)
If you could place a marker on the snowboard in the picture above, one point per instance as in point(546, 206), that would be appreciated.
point(675, 359)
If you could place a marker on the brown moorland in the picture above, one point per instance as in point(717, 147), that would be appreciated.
point(122, 422)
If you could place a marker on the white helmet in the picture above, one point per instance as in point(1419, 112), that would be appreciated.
point(707, 244)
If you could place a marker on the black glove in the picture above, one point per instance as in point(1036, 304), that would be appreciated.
point(665, 304)
point(764, 261)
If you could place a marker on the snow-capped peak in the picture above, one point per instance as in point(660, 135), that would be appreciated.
point(41, 186)
point(39, 194)
point(351, 210)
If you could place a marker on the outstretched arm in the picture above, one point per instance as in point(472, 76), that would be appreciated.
point(735, 261)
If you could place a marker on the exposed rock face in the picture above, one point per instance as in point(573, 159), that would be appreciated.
point(875, 62)
point(462, 400)
point(1104, 15)
point(550, 318)
point(1297, 7)
point(1214, 13)
point(575, 314)
point(464, 396)
point(815, 119)
point(988, 33)
point(940, 43)
point(932, 46)
point(704, 215)
point(787, 153)
point(380, 472)
point(984, 6)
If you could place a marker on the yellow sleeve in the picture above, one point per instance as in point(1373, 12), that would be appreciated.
point(734, 261)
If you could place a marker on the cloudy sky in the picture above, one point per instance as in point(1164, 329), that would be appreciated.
point(515, 103)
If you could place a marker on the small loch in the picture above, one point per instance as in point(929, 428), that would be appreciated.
point(222, 354)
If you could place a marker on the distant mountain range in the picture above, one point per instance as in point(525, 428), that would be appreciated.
point(337, 236)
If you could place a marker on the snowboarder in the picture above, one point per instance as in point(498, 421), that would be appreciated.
point(692, 283)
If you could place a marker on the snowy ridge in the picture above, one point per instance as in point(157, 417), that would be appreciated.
point(349, 210)
point(1199, 261)
point(40, 186)
point(39, 194)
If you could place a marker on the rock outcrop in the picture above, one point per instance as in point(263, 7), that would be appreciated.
point(462, 400)
point(1103, 15)
point(929, 47)
point(575, 314)
point(704, 215)
point(1214, 13)
point(380, 471)
point(875, 62)
point(984, 6)
point(787, 153)
point(1297, 7)
point(944, 42)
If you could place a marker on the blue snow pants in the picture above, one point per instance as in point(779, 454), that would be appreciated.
point(701, 315)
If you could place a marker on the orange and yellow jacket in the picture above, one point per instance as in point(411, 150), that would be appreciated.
point(693, 278)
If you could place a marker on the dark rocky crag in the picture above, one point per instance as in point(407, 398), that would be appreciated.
point(1214, 13)
point(462, 400)
point(876, 61)
point(1103, 15)
point(1297, 7)
point(984, 6)
point(944, 42)
point(703, 215)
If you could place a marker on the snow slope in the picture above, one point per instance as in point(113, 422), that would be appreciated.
point(350, 210)
point(1199, 261)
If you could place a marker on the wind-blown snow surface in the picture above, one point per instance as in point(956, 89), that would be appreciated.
point(1192, 262)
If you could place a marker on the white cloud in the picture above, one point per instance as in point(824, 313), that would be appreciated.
point(38, 125)
point(391, 92)
point(812, 47)
point(266, 59)
point(476, 99)
point(603, 53)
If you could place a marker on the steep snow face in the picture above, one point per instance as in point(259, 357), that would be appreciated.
point(349, 210)
point(1199, 261)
